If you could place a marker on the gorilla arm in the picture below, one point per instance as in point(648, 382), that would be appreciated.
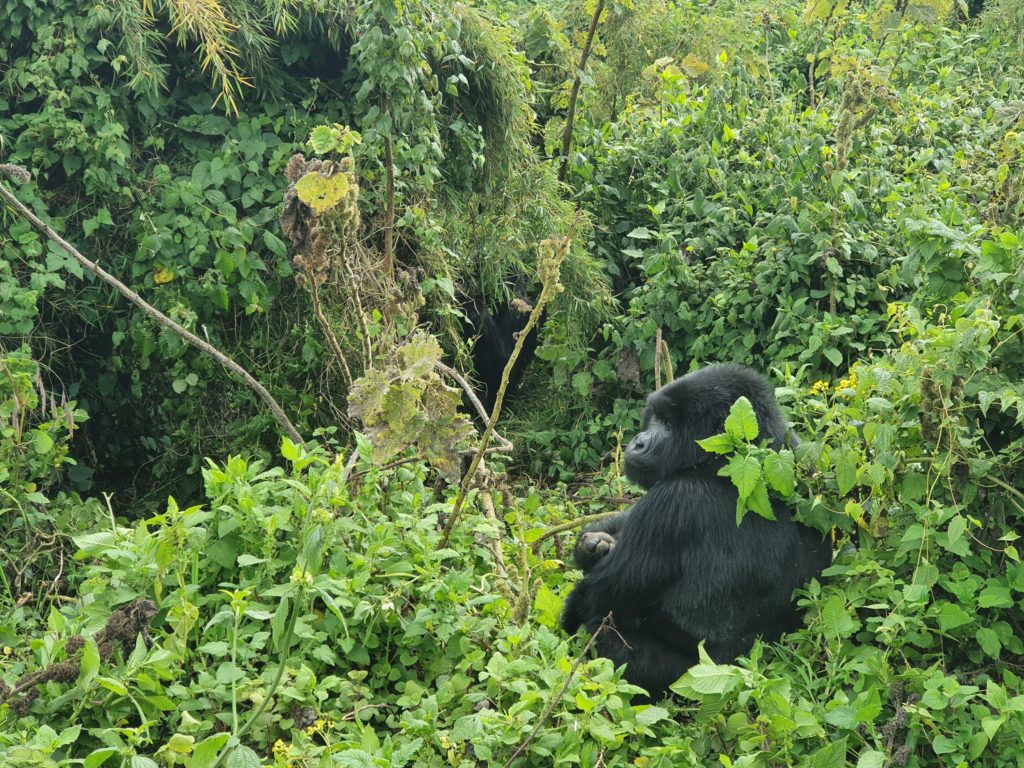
point(597, 540)
point(629, 580)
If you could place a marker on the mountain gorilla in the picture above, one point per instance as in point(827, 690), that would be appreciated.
point(675, 569)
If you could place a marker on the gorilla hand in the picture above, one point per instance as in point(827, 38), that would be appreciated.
point(591, 547)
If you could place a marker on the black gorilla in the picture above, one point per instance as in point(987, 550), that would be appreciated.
point(675, 569)
point(496, 333)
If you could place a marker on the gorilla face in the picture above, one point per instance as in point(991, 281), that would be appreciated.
point(692, 408)
point(650, 452)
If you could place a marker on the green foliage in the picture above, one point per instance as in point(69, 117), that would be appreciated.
point(145, 175)
point(859, 239)
point(753, 469)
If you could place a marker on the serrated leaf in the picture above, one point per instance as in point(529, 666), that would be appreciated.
point(717, 444)
point(780, 472)
point(323, 139)
point(836, 619)
point(321, 193)
point(830, 756)
point(759, 502)
point(741, 423)
point(708, 678)
point(745, 472)
point(68, 736)
point(995, 596)
point(952, 616)
point(242, 757)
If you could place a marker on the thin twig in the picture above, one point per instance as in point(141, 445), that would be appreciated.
point(314, 294)
point(574, 94)
point(360, 315)
point(389, 214)
point(657, 359)
point(153, 312)
point(666, 359)
point(502, 583)
point(558, 696)
point(548, 291)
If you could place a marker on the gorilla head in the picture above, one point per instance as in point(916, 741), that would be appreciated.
point(692, 408)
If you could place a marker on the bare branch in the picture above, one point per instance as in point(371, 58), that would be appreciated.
point(153, 312)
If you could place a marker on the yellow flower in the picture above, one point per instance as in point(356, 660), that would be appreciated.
point(280, 746)
point(8, 650)
point(819, 387)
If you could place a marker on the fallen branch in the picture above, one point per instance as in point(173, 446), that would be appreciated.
point(154, 313)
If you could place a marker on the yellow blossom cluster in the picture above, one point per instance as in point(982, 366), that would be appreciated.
point(319, 726)
point(849, 383)
point(820, 387)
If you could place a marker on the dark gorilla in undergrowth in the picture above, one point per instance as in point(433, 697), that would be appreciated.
point(675, 569)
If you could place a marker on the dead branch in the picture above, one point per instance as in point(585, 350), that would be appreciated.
point(153, 312)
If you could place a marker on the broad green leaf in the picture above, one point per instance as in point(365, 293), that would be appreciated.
point(989, 641)
point(717, 444)
point(836, 619)
point(741, 423)
point(90, 663)
point(242, 757)
point(871, 758)
point(745, 472)
point(995, 596)
point(181, 743)
point(830, 756)
point(321, 193)
point(289, 450)
point(955, 529)
point(641, 233)
point(708, 678)
point(845, 462)
point(779, 472)
point(759, 502)
point(952, 616)
point(205, 753)
point(98, 757)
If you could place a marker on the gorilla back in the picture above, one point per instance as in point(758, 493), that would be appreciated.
point(675, 569)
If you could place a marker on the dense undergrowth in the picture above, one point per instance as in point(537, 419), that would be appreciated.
point(853, 228)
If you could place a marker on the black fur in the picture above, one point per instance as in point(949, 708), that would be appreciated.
point(675, 569)
point(495, 339)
